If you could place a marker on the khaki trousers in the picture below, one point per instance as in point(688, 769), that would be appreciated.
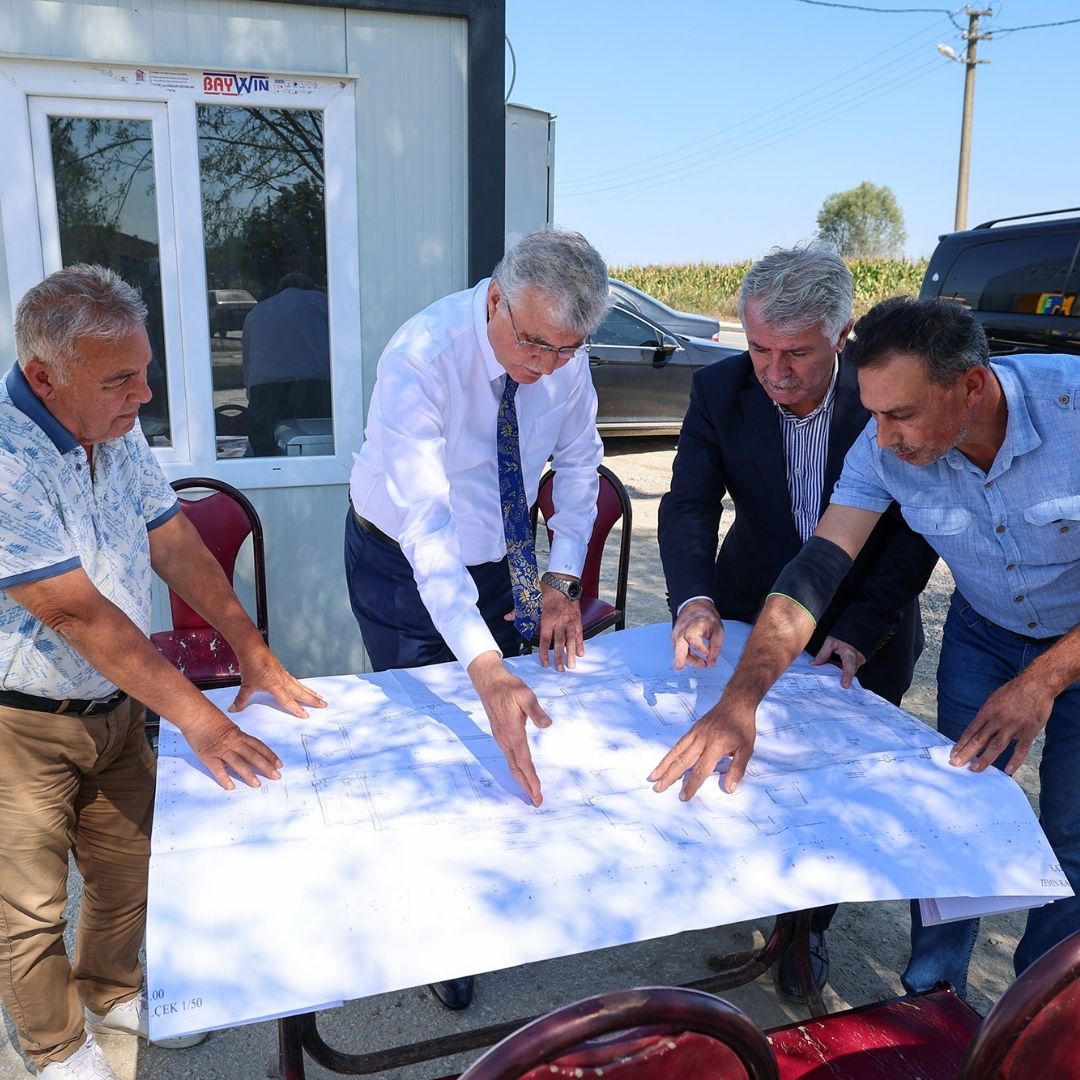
point(83, 785)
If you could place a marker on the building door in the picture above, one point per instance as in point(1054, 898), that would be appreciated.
point(208, 192)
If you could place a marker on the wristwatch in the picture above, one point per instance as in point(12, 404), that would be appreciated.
point(570, 589)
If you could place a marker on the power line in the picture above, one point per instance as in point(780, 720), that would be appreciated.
point(733, 150)
point(949, 13)
point(882, 11)
point(635, 185)
point(810, 100)
point(1032, 26)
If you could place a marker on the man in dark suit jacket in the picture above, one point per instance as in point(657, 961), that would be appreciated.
point(770, 428)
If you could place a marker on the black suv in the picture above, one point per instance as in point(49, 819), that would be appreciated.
point(1021, 277)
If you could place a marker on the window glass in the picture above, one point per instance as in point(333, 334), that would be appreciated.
point(620, 327)
point(1026, 275)
point(264, 224)
point(106, 205)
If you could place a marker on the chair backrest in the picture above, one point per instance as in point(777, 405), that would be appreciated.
point(224, 520)
point(612, 505)
point(1034, 1028)
point(669, 1031)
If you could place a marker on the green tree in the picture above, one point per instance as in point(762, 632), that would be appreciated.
point(865, 222)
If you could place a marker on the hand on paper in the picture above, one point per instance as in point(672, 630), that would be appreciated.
point(1016, 711)
point(560, 629)
point(266, 672)
point(697, 636)
point(850, 658)
point(508, 703)
point(728, 729)
point(224, 748)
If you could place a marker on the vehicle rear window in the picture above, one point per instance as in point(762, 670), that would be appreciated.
point(1036, 275)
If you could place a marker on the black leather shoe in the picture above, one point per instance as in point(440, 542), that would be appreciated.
point(455, 993)
point(787, 980)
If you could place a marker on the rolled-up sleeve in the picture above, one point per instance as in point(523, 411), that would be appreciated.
point(860, 484)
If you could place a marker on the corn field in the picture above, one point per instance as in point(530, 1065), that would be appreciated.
point(713, 288)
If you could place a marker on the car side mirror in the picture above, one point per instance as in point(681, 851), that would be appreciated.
point(664, 350)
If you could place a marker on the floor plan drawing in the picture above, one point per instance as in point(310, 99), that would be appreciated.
point(397, 792)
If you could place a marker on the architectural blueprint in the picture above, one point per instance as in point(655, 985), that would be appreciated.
point(318, 888)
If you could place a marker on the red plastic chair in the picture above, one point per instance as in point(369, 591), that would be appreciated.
point(924, 1036)
point(664, 1032)
point(224, 520)
point(612, 505)
point(1034, 1029)
point(1032, 1032)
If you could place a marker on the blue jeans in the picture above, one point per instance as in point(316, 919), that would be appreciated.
point(977, 657)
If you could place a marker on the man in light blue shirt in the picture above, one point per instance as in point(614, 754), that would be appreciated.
point(983, 459)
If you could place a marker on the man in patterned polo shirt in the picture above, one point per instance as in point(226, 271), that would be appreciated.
point(85, 514)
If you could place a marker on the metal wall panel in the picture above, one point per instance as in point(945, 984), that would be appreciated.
point(411, 144)
point(413, 229)
point(196, 33)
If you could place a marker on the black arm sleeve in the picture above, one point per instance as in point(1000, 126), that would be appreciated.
point(898, 564)
point(813, 576)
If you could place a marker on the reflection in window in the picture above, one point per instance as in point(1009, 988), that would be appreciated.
point(107, 210)
point(264, 220)
point(619, 327)
point(1025, 275)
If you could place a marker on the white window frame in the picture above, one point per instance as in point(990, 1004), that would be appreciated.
point(30, 91)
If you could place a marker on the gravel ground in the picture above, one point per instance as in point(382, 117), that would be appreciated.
point(868, 941)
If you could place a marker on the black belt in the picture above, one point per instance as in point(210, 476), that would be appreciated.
point(373, 530)
point(15, 699)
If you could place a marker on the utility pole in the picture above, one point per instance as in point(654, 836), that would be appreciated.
point(973, 37)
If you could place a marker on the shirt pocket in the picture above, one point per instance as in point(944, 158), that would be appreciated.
point(542, 432)
point(949, 530)
point(1053, 528)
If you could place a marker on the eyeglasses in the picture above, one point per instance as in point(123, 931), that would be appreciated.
point(566, 352)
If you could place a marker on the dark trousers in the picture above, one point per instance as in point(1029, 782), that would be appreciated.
point(396, 627)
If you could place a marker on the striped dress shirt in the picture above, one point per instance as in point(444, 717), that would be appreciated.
point(806, 444)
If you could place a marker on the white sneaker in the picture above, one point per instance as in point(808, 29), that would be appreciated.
point(131, 1017)
point(87, 1063)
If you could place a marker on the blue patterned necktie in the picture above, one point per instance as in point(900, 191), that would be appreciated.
point(520, 552)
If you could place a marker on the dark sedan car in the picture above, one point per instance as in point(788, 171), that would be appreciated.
point(676, 322)
point(228, 310)
point(642, 373)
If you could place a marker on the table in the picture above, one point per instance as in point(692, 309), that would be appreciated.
point(299, 1035)
point(397, 793)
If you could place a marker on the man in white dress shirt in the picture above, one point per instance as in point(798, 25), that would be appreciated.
point(425, 545)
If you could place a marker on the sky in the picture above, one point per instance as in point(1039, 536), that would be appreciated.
point(712, 130)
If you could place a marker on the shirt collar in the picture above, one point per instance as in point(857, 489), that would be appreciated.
point(1021, 435)
point(823, 406)
point(26, 401)
point(494, 369)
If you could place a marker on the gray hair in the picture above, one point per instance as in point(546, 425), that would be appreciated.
point(796, 288)
point(69, 306)
point(564, 266)
point(945, 335)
